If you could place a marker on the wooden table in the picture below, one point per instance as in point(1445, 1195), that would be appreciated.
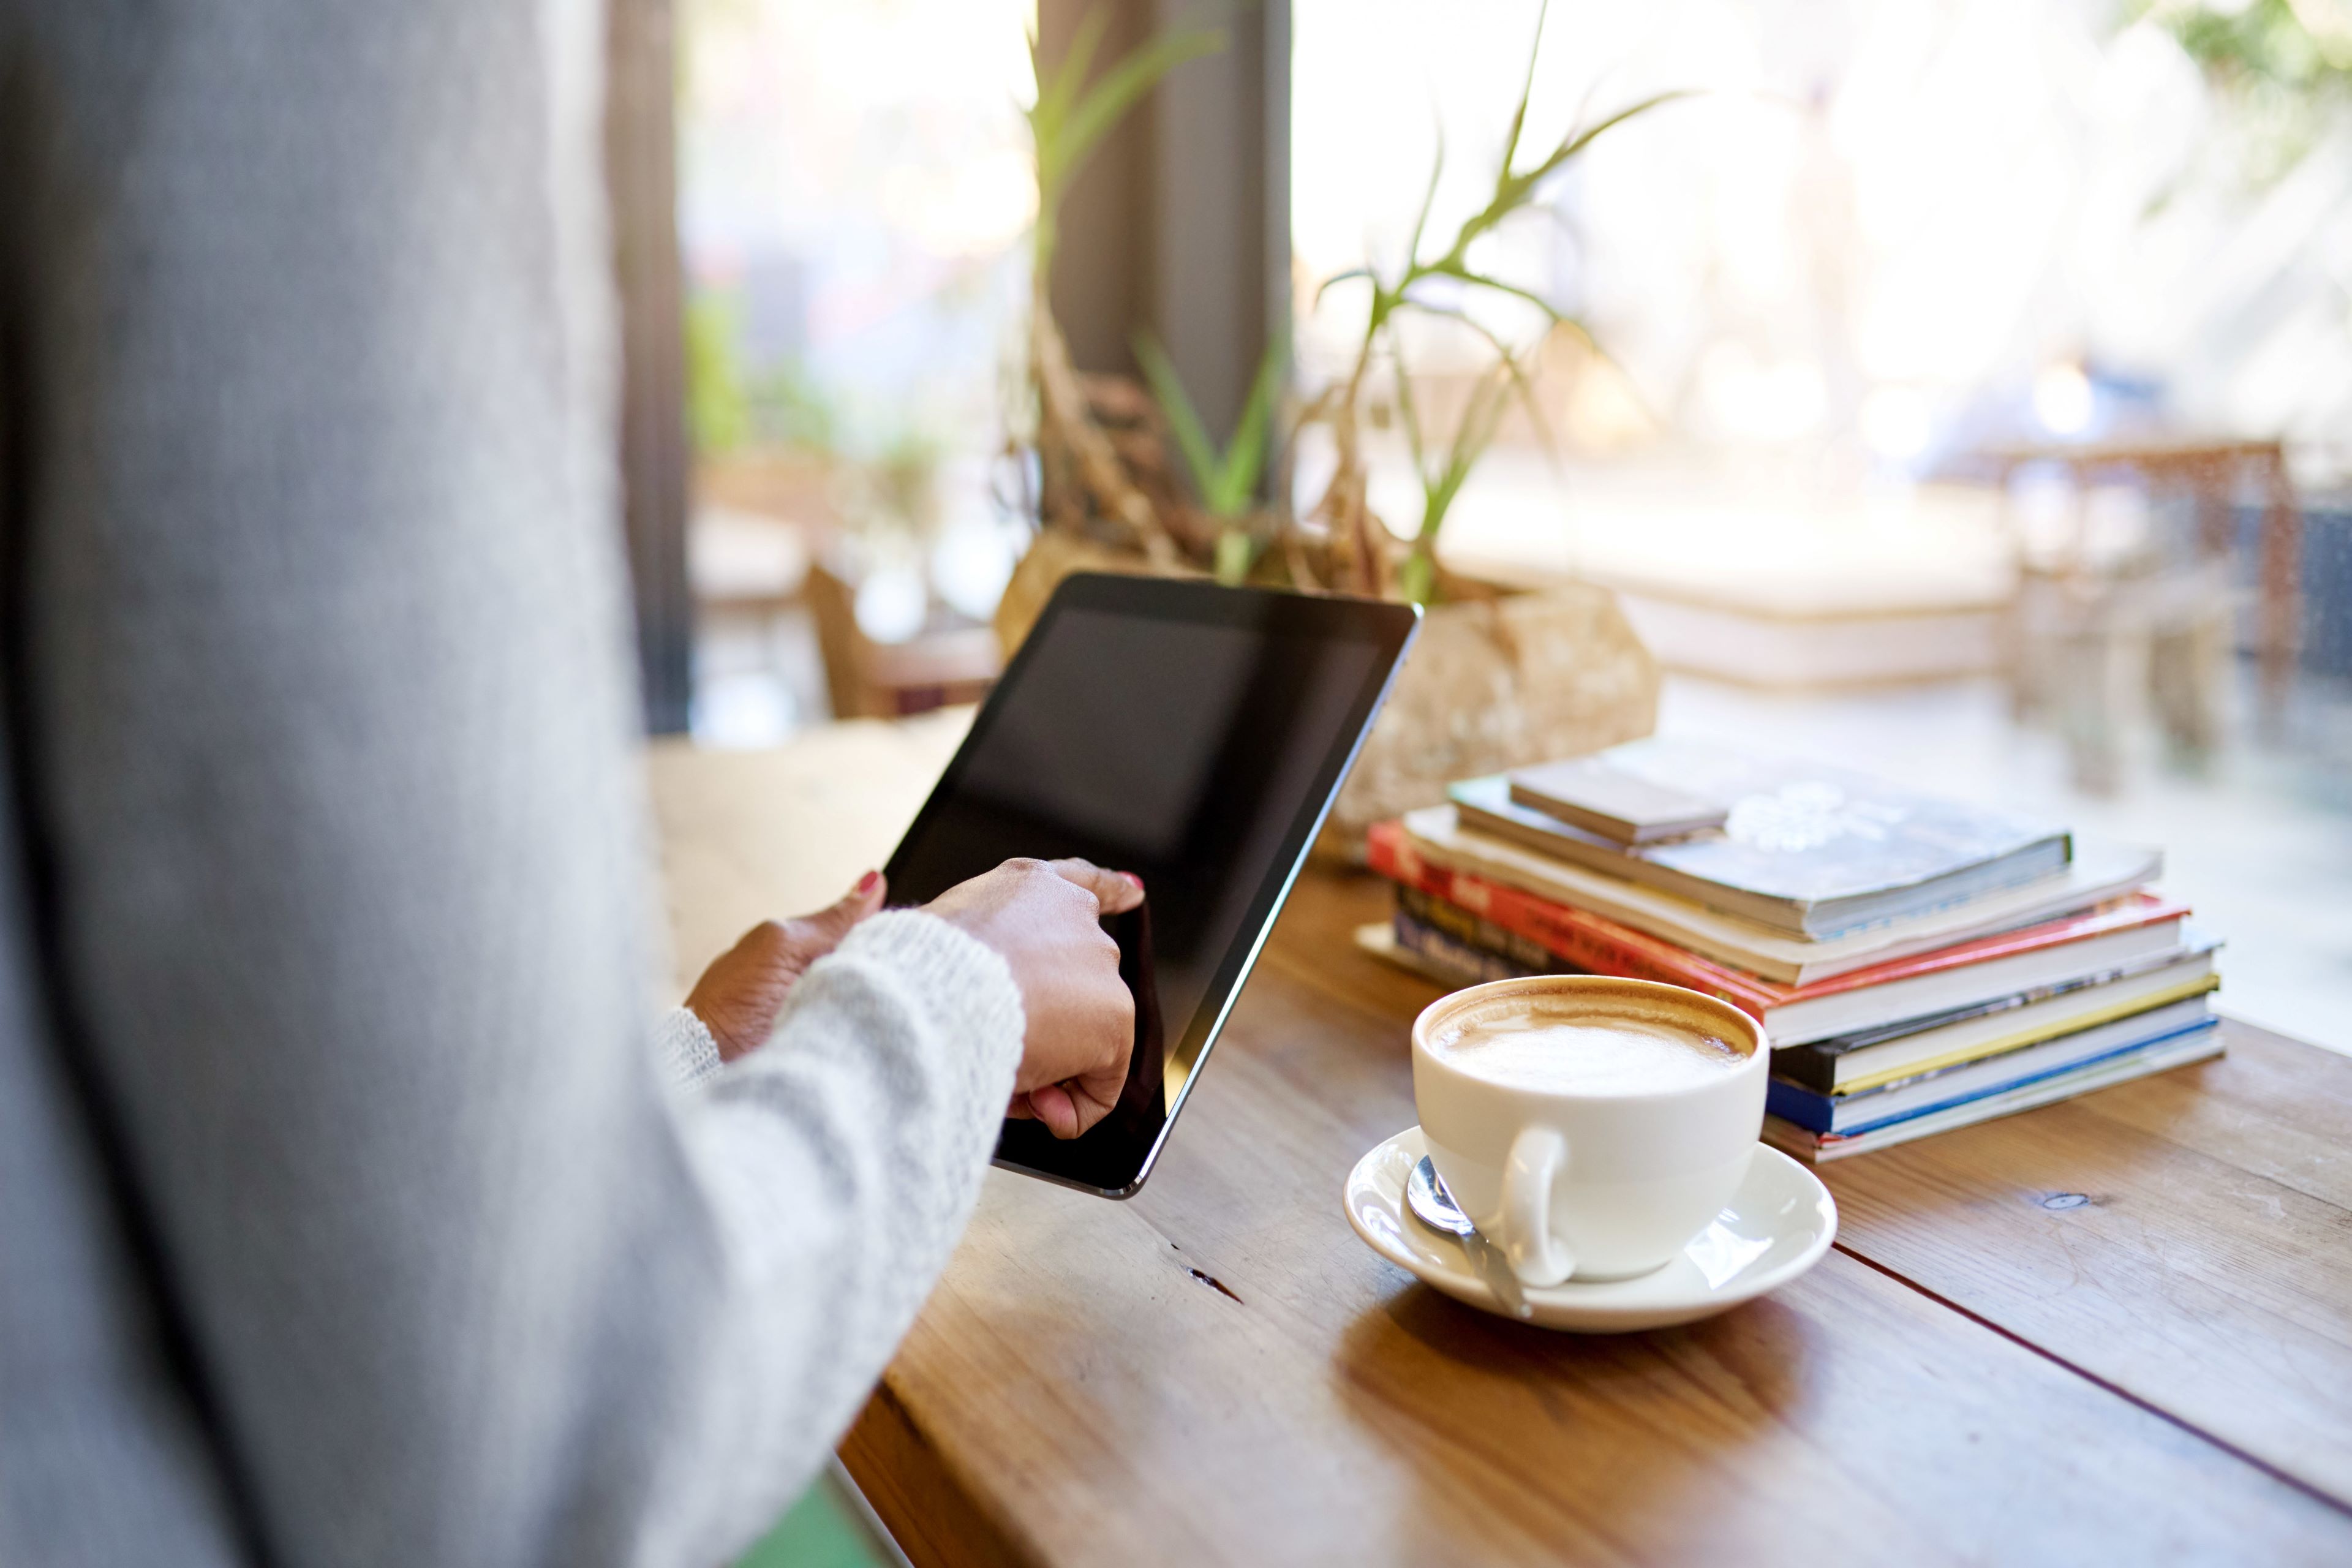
point(2114, 1330)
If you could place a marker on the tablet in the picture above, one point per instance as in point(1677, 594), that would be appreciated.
point(1193, 735)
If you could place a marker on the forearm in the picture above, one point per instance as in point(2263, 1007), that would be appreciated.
point(841, 1162)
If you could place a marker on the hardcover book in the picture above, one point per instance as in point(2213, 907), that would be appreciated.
point(1964, 974)
point(1453, 960)
point(1623, 807)
point(1849, 1064)
point(2098, 872)
point(2195, 1045)
point(1380, 939)
point(1804, 848)
point(1946, 1087)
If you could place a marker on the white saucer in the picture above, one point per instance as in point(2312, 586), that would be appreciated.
point(1776, 1227)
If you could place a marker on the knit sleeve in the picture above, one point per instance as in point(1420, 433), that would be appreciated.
point(841, 1161)
point(686, 1050)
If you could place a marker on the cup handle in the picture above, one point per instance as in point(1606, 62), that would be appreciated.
point(1537, 1256)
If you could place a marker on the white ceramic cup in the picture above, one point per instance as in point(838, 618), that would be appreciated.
point(1592, 1185)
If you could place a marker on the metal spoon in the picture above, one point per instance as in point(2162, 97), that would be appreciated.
point(1434, 1207)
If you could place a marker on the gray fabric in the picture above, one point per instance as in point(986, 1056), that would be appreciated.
point(323, 913)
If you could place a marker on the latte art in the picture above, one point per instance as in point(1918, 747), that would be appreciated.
point(1537, 1047)
point(1589, 1126)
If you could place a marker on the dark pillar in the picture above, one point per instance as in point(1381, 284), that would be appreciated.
point(640, 159)
point(1181, 222)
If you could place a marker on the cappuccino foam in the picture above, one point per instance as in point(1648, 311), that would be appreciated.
point(1543, 1047)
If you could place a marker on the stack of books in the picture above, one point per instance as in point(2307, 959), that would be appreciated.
point(1918, 965)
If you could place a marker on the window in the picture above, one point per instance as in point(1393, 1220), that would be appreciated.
point(1897, 249)
point(855, 186)
point(1975, 400)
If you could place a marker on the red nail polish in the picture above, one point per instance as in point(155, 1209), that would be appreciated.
point(1135, 881)
point(865, 883)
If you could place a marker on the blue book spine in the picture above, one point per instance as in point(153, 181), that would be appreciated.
point(1818, 1112)
point(1474, 963)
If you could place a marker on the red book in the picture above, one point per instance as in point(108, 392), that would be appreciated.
point(2053, 952)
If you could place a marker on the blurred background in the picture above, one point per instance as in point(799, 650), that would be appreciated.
point(1963, 393)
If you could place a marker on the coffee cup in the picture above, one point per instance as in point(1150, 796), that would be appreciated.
point(1589, 1126)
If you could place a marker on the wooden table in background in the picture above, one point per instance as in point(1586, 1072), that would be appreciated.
point(2114, 1330)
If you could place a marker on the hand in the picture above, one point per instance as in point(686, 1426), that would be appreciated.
point(740, 994)
point(1042, 917)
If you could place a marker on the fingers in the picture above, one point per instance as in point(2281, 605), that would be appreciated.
point(1115, 891)
point(1070, 1107)
point(832, 922)
point(1066, 1115)
point(1051, 1104)
point(1042, 917)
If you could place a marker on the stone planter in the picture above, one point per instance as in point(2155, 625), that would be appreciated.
point(1052, 556)
point(1494, 682)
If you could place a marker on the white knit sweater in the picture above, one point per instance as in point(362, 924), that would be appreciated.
point(346, 1217)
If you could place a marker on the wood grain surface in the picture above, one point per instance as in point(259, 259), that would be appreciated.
point(760, 835)
point(1985, 1369)
point(2186, 1238)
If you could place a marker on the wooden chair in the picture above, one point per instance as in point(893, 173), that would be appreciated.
point(2092, 631)
point(939, 667)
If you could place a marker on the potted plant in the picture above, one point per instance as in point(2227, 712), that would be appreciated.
point(1499, 678)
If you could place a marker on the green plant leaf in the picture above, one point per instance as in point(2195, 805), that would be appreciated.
point(1491, 398)
point(1526, 89)
point(1480, 422)
point(1411, 416)
point(1057, 89)
point(1428, 200)
point(1508, 359)
point(1183, 419)
point(1252, 435)
point(1236, 553)
point(1349, 275)
point(1105, 103)
point(718, 414)
point(1481, 281)
point(1577, 141)
point(1225, 483)
point(1515, 190)
point(1417, 578)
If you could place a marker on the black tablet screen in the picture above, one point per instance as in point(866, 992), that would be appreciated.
point(1187, 734)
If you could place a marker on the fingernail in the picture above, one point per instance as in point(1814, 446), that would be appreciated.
point(1133, 880)
point(865, 883)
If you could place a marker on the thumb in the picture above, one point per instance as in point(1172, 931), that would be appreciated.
point(834, 921)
